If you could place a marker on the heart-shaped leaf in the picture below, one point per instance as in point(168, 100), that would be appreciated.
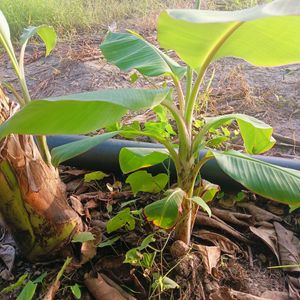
point(142, 181)
point(122, 219)
point(164, 212)
point(132, 159)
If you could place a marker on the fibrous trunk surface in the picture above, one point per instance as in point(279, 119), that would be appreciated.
point(33, 200)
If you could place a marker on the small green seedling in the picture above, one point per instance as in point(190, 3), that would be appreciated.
point(82, 237)
point(29, 289)
point(75, 289)
point(123, 219)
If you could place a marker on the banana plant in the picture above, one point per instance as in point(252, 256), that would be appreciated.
point(33, 200)
point(266, 35)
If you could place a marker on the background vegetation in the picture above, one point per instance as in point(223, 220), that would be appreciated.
point(73, 16)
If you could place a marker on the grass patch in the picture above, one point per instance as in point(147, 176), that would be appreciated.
point(75, 16)
point(69, 16)
point(231, 4)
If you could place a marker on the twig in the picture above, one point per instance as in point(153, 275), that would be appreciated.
point(286, 140)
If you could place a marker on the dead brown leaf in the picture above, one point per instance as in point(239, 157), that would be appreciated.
point(74, 185)
point(232, 217)
point(101, 290)
point(91, 204)
point(225, 244)
point(289, 248)
point(89, 248)
point(77, 205)
point(96, 196)
point(258, 213)
point(294, 287)
point(275, 295)
point(225, 293)
point(88, 251)
point(268, 236)
point(217, 223)
point(211, 256)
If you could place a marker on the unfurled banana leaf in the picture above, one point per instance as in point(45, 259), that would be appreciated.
point(265, 35)
point(130, 51)
point(79, 113)
point(273, 182)
point(67, 151)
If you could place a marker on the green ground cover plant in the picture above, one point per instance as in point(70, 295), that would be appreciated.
point(77, 15)
point(265, 35)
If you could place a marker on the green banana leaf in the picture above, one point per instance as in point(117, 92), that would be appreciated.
point(5, 33)
point(67, 151)
point(6, 41)
point(46, 33)
point(256, 134)
point(270, 181)
point(132, 159)
point(130, 51)
point(265, 35)
point(142, 181)
point(79, 113)
point(164, 213)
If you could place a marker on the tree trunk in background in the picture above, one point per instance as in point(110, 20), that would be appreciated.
point(33, 199)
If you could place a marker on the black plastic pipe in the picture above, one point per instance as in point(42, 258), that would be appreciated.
point(105, 157)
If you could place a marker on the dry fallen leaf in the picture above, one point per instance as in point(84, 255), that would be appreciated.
point(225, 244)
point(258, 213)
point(77, 205)
point(225, 293)
point(289, 248)
point(7, 256)
point(275, 295)
point(233, 217)
point(88, 251)
point(268, 236)
point(217, 223)
point(101, 290)
point(89, 248)
point(294, 287)
point(211, 256)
